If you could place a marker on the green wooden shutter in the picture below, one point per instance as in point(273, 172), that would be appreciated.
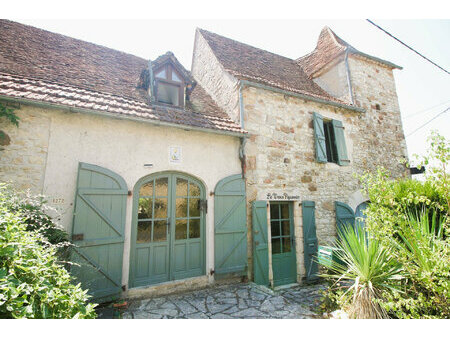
point(230, 226)
point(344, 215)
point(260, 243)
point(310, 240)
point(319, 139)
point(98, 230)
point(340, 142)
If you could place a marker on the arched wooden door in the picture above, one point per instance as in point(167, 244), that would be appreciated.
point(230, 226)
point(168, 231)
point(98, 231)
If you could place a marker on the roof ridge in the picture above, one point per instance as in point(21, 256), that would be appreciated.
point(72, 38)
point(246, 44)
point(335, 38)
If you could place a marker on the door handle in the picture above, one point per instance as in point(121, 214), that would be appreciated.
point(168, 225)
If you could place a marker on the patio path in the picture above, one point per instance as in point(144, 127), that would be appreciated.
point(240, 300)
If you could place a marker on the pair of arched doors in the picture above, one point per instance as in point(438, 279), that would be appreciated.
point(167, 237)
point(168, 230)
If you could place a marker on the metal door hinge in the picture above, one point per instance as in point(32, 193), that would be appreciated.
point(203, 204)
point(77, 237)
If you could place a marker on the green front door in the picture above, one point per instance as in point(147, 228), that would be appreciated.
point(283, 248)
point(168, 229)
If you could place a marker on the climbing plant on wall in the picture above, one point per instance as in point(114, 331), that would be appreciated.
point(11, 117)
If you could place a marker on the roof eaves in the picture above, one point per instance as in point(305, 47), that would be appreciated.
point(353, 50)
point(38, 103)
point(303, 96)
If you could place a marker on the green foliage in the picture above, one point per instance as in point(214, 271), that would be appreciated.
point(368, 268)
point(35, 213)
point(32, 282)
point(391, 201)
point(9, 114)
point(425, 258)
point(436, 163)
point(410, 219)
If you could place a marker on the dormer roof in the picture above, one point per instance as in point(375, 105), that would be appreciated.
point(39, 66)
point(169, 57)
point(331, 47)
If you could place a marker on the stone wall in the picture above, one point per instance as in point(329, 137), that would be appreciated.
point(333, 79)
point(23, 156)
point(374, 89)
point(222, 86)
point(44, 153)
point(281, 154)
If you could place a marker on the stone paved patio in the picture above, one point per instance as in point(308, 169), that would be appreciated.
point(231, 301)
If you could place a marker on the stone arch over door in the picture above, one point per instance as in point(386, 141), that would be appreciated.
point(168, 229)
point(356, 198)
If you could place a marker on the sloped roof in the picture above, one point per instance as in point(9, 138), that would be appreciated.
point(250, 63)
point(330, 47)
point(40, 91)
point(39, 65)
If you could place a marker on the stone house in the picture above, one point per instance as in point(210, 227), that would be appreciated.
point(313, 123)
point(167, 178)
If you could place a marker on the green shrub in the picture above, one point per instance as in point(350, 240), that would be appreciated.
point(425, 258)
point(411, 219)
point(35, 212)
point(368, 268)
point(32, 282)
point(391, 202)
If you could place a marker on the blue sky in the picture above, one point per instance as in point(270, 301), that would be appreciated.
point(420, 85)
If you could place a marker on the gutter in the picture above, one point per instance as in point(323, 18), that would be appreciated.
point(302, 96)
point(373, 58)
point(121, 117)
point(349, 82)
point(243, 140)
point(241, 105)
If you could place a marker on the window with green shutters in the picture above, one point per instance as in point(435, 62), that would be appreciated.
point(329, 141)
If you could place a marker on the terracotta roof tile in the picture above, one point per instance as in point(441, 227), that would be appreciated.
point(329, 48)
point(254, 64)
point(15, 86)
point(42, 66)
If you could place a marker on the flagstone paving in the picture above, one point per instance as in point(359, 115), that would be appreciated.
point(231, 301)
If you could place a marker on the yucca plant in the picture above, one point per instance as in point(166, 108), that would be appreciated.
point(425, 256)
point(367, 268)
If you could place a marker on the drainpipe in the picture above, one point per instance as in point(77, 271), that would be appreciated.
point(349, 82)
point(150, 85)
point(243, 140)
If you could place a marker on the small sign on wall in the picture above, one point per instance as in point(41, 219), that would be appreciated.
point(279, 195)
point(175, 154)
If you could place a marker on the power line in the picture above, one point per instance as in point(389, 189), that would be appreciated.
point(423, 125)
point(426, 109)
point(404, 44)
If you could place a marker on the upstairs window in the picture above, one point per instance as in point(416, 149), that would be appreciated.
point(330, 141)
point(169, 88)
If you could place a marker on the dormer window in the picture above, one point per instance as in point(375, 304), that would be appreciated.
point(169, 86)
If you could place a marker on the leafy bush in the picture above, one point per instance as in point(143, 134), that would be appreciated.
point(425, 258)
point(368, 268)
point(32, 282)
point(410, 219)
point(35, 213)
